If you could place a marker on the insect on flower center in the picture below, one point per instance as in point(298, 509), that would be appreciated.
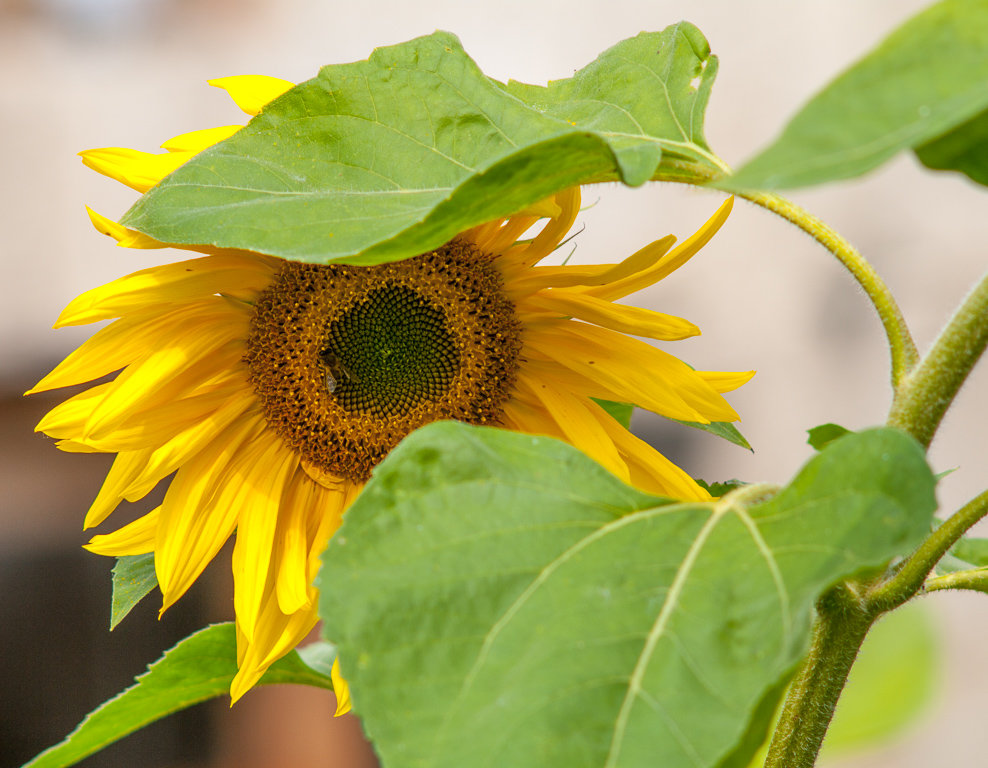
point(346, 361)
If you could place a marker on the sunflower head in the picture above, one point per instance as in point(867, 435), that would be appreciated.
point(267, 389)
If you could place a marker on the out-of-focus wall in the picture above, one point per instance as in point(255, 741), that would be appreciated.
point(76, 74)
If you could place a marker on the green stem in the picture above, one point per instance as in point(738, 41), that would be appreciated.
point(910, 576)
point(841, 626)
point(844, 616)
point(975, 580)
point(901, 346)
point(926, 393)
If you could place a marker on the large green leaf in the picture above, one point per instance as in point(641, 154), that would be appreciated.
point(393, 156)
point(198, 668)
point(499, 599)
point(927, 78)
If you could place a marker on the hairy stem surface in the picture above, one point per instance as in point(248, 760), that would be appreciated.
point(924, 396)
point(841, 626)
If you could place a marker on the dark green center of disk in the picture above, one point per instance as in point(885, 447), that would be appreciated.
point(389, 352)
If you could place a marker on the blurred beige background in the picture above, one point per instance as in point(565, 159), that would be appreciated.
point(76, 74)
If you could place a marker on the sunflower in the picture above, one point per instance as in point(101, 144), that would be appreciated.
point(271, 388)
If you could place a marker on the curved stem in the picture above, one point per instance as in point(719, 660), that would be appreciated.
point(910, 577)
point(927, 392)
point(976, 580)
point(901, 346)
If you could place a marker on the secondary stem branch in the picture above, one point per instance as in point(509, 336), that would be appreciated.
point(927, 392)
point(910, 577)
point(974, 580)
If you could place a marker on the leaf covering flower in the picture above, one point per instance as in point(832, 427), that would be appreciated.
point(271, 388)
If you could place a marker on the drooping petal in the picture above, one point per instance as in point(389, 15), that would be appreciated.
point(650, 470)
point(575, 420)
point(641, 372)
point(186, 444)
point(262, 474)
point(536, 278)
point(617, 317)
point(126, 238)
point(668, 263)
point(725, 381)
point(555, 230)
point(165, 374)
point(276, 635)
point(129, 339)
point(126, 467)
point(292, 583)
point(136, 538)
point(588, 369)
point(67, 419)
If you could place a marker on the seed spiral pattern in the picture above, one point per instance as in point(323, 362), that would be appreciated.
point(346, 360)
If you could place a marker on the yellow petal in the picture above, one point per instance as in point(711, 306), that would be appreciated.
point(137, 538)
point(276, 635)
point(544, 209)
point(169, 371)
point(252, 92)
point(292, 583)
point(126, 238)
point(536, 278)
point(341, 688)
point(650, 470)
point(74, 446)
point(67, 419)
point(138, 170)
point(196, 141)
point(555, 230)
point(662, 382)
point(185, 445)
point(176, 283)
point(623, 379)
point(126, 466)
point(576, 421)
point(325, 517)
point(161, 421)
point(635, 321)
point(196, 516)
point(122, 342)
point(668, 263)
point(260, 479)
point(509, 232)
point(725, 381)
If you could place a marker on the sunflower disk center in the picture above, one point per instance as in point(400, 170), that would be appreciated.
point(389, 353)
point(346, 361)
